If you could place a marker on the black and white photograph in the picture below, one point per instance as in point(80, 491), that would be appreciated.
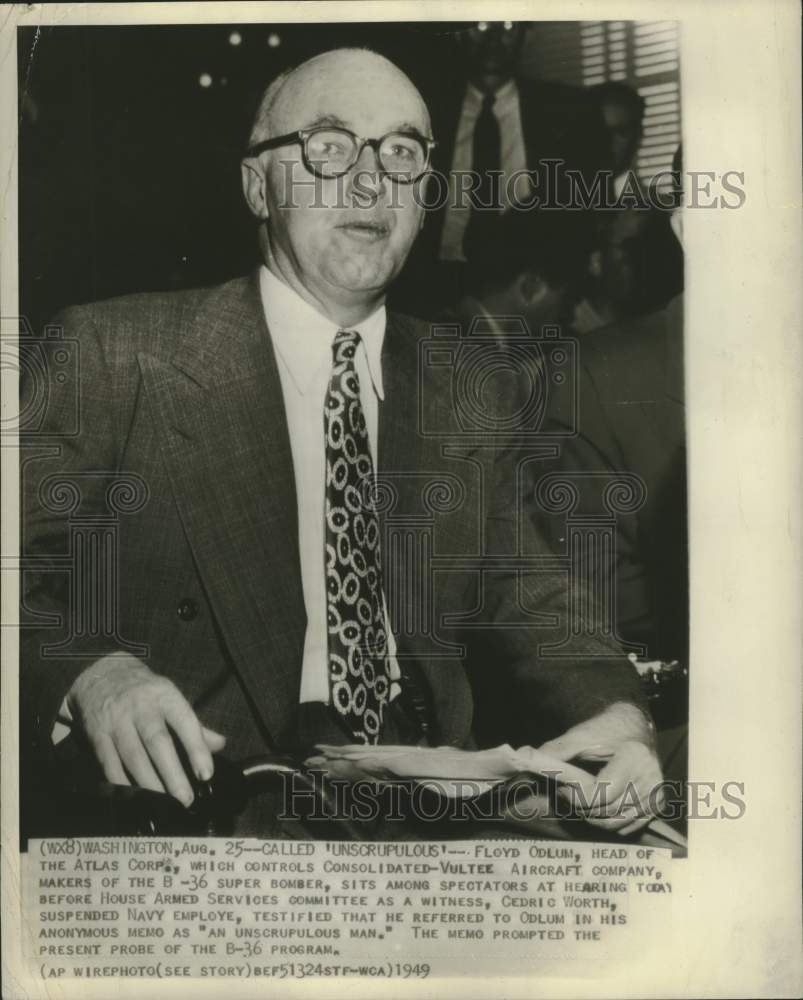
point(460, 538)
point(377, 593)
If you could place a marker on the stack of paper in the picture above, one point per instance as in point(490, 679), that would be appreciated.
point(456, 772)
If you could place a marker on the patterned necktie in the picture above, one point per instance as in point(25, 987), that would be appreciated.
point(358, 667)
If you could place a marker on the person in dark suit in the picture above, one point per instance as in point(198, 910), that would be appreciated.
point(267, 436)
point(530, 265)
point(503, 140)
point(622, 109)
point(631, 420)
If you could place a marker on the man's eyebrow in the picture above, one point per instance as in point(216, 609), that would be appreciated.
point(407, 127)
point(334, 121)
point(327, 119)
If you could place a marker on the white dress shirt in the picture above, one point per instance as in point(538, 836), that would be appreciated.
point(627, 178)
point(513, 157)
point(302, 339)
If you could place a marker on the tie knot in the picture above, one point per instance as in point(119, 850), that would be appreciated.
point(488, 102)
point(345, 345)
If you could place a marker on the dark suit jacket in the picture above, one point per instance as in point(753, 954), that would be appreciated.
point(559, 122)
point(182, 390)
point(631, 418)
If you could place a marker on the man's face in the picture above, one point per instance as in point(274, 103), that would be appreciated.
point(492, 48)
point(624, 135)
point(346, 238)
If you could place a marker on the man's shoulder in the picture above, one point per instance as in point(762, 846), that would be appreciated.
point(153, 322)
point(626, 360)
point(534, 84)
point(150, 308)
point(552, 94)
point(406, 328)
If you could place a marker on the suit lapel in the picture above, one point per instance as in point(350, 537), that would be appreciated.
point(398, 453)
point(220, 413)
point(397, 445)
point(530, 114)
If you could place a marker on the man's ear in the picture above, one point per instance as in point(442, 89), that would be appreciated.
point(595, 264)
point(530, 287)
point(254, 188)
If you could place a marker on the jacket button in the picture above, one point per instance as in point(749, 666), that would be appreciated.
point(187, 609)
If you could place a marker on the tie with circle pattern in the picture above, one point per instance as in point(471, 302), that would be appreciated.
point(358, 667)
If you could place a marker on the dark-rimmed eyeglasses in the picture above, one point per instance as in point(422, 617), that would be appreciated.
point(332, 152)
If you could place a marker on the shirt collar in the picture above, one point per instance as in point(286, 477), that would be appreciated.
point(506, 94)
point(303, 337)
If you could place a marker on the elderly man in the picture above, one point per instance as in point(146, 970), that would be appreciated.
point(262, 600)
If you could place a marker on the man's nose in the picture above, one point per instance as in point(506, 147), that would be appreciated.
point(366, 175)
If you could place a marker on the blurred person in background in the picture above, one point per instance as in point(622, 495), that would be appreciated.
point(498, 136)
point(622, 110)
point(609, 287)
point(636, 264)
point(631, 406)
point(527, 266)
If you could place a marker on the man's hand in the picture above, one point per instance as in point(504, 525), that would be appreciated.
point(128, 714)
point(626, 792)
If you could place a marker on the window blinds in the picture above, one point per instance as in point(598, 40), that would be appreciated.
point(644, 54)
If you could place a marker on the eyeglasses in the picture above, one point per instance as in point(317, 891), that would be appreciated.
point(332, 152)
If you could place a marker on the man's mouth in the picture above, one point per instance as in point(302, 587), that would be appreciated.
point(365, 231)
